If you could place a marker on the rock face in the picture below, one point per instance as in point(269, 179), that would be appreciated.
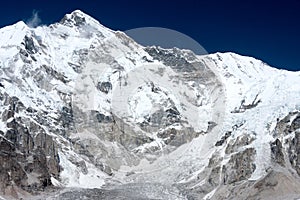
point(277, 154)
point(294, 152)
point(288, 127)
point(85, 107)
point(28, 155)
point(240, 167)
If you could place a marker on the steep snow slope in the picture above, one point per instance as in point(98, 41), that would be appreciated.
point(87, 107)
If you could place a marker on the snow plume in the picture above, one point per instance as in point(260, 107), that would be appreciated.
point(34, 20)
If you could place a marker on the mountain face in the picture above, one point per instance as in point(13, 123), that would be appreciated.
point(86, 112)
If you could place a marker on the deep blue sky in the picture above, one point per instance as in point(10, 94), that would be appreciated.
point(267, 30)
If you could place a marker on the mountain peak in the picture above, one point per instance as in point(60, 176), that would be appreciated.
point(78, 12)
point(13, 34)
point(78, 18)
point(21, 24)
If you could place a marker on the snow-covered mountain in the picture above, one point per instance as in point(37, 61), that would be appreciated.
point(86, 112)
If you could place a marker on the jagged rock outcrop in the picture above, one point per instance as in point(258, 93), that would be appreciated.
point(240, 166)
point(286, 151)
point(28, 155)
point(294, 152)
point(277, 152)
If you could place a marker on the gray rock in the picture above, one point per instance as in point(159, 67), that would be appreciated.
point(177, 138)
point(104, 87)
point(223, 139)
point(214, 177)
point(66, 118)
point(277, 152)
point(296, 123)
point(284, 127)
point(240, 166)
point(236, 143)
point(28, 154)
point(171, 57)
point(294, 152)
point(74, 19)
point(29, 45)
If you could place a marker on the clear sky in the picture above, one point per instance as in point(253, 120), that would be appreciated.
point(267, 30)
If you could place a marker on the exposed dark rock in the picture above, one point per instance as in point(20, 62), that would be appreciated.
point(277, 152)
point(131, 142)
point(81, 56)
point(294, 152)
point(289, 124)
point(24, 53)
point(161, 119)
point(31, 110)
point(103, 118)
point(214, 177)
point(55, 74)
point(29, 45)
point(82, 166)
point(173, 115)
point(285, 126)
point(79, 20)
point(171, 57)
point(74, 19)
point(234, 144)
point(75, 67)
point(81, 149)
point(243, 107)
point(214, 160)
point(67, 117)
point(104, 87)
point(25, 56)
point(211, 125)
point(11, 171)
point(177, 138)
point(168, 135)
point(28, 155)
point(240, 166)
point(223, 139)
point(296, 123)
